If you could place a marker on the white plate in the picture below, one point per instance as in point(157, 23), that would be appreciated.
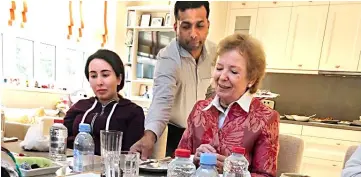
point(163, 167)
point(41, 171)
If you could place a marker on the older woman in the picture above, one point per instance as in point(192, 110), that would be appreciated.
point(108, 110)
point(233, 117)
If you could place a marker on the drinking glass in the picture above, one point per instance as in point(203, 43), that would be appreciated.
point(111, 145)
point(129, 164)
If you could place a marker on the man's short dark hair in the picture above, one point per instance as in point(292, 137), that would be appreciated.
point(184, 5)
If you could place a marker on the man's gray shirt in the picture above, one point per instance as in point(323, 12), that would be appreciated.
point(179, 82)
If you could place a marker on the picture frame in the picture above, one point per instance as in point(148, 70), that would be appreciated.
point(157, 22)
point(144, 91)
point(167, 20)
point(145, 20)
point(129, 38)
point(131, 18)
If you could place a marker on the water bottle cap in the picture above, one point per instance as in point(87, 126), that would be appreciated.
point(182, 153)
point(238, 150)
point(84, 128)
point(208, 159)
point(60, 121)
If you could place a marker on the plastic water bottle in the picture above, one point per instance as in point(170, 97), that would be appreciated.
point(83, 150)
point(236, 165)
point(208, 168)
point(181, 166)
point(58, 138)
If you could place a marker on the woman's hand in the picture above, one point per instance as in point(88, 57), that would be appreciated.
point(204, 148)
point(220, 162)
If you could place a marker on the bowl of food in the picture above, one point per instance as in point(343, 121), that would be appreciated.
point(289, 117)
point(344, 122)
point(301, 118)
point(34, 166)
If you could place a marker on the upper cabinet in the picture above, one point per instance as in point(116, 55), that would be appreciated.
point(242, 21)
point(275, 4)
point(342, 41)
point(310, 3)
point(242, 4)
point(305, 37)
point(302, 36)
point(272, 29)
point(345, 2)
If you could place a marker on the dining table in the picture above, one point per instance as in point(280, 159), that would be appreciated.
point(14, 147)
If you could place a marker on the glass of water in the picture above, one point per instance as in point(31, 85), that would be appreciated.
point(111, 144)
point(129, 164)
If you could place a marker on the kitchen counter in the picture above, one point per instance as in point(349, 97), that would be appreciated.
point(316, 124)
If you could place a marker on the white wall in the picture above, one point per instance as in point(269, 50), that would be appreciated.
point(217, 19)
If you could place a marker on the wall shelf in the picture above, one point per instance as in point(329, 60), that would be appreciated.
point(136, 84)
point(139, 98)
point(141, 80)
point(151, 28)
point(152, 8)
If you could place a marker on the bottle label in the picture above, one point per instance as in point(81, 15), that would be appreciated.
point(58, 141)
point(77, 161)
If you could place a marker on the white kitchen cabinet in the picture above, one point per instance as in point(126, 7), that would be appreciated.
point(327, 149)
point(242, 21)
point(275, 4)
point(342, 41)
point(272, 30)
point(320, 168)
point(290, 129)
point(345, 2)
point(242, 4)
point(324, 149)
point(305, 37)
point(331, 133)
point(310, 3)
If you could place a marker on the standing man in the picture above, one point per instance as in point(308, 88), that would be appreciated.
point(182, 75)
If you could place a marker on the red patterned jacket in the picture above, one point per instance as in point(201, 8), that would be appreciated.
point(257, 131)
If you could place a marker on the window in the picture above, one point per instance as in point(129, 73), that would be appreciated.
point(1, 55)
point(44, 65)
point(70, 69)
point(21, 65)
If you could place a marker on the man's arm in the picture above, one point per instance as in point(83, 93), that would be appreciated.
point(353, 165)
point(164, 88)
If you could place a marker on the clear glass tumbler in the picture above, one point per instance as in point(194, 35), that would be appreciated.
point(129, 164)
point(111, 145)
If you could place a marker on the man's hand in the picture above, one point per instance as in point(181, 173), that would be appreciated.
point(204, 148)
point(145, 145)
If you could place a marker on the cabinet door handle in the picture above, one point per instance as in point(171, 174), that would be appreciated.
point(274, 2)
point(337, 66)
point(243, 3)
point(338, 144)
point(334, 165)
point(300, 65)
